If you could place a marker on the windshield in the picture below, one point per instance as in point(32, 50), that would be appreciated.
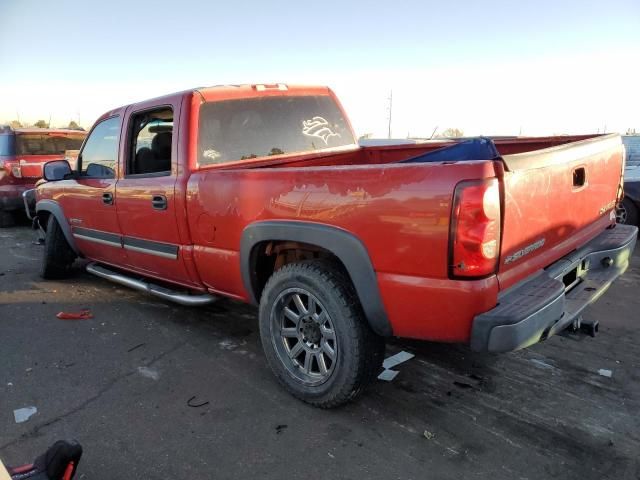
point(248, 128)
point(47, 143)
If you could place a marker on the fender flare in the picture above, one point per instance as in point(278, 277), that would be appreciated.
point(344, 245)
point(55, 209)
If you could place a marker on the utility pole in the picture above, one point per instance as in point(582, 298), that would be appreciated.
point(390, 109)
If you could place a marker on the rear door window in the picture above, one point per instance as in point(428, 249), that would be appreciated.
point(243, 129)
point(151, 138)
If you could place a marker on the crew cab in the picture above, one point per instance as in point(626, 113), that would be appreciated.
point(23, 152)
point(261, 193)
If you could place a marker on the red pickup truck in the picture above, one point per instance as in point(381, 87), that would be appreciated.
point(261, 193)
point(23, 152)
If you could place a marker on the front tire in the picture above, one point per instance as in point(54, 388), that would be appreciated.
point(58, 256)
point(315, 336)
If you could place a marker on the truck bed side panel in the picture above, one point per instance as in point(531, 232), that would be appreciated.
point(400, 212)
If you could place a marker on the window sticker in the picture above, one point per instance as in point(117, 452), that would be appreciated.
point(318, 127)
point(212, 154)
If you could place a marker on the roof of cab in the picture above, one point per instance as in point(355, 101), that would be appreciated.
point(230, 92)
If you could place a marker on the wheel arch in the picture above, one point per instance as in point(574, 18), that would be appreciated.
point(45, 208)
point(344, 246)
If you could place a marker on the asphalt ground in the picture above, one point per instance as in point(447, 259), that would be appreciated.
point(122, 384)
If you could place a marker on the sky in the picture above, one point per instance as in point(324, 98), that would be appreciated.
point(487, 67)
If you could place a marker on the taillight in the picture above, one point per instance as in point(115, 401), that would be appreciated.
point(475, 229)
point(16, 170)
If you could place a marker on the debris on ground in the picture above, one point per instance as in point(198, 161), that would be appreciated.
point(136, 347)
point(397, 359)
point(462, 384)
point(428, 435)
point(21, 415)
point(388, 375)
point(149, 373)
point(193, 404)
point(84, 314)
point(281, 428)
point(541, 364)
point(394, 360)
point(605, 373)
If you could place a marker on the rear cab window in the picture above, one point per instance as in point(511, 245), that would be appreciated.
point(47, 143)
point(233, 130)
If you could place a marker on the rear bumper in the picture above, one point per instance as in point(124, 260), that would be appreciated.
point(540, 307)
point(11, 196)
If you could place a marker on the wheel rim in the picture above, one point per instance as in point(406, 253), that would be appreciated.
point(304, 336)
point(621, 214)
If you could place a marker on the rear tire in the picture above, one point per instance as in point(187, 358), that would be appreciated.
point(319, 345)
point(58, 256)
point(627, 213)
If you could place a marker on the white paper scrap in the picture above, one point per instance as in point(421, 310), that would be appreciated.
point(388, 375)
point(397, 359)
point(21, 415)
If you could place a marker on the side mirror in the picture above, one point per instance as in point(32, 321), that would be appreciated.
point(56, 170)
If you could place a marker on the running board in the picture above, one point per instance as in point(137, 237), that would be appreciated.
point(158, 291)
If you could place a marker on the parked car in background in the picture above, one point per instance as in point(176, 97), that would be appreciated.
point(23, 152)
point(629, 209)
point(261, 193)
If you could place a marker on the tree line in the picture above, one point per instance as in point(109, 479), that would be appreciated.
point(73, 125)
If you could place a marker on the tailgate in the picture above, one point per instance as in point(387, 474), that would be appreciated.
point(556, 200)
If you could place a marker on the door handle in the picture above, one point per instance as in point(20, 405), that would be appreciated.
point(159, 202)
point(579, 177)
point(107, 198)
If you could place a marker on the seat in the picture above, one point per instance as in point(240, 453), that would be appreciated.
point(161, 148)
point(145, 161)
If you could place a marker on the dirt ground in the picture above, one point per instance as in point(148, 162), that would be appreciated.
point(121, 383)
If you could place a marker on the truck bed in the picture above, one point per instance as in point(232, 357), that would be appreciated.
point(401, 212)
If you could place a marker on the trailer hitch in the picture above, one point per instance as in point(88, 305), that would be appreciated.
point(589, 327)
point(580, 325)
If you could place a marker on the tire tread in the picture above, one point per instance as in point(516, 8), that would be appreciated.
point(364, 344)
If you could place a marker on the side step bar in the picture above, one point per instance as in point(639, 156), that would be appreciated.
point(158, 291)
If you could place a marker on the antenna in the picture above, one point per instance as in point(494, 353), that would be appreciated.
point(390, 109)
